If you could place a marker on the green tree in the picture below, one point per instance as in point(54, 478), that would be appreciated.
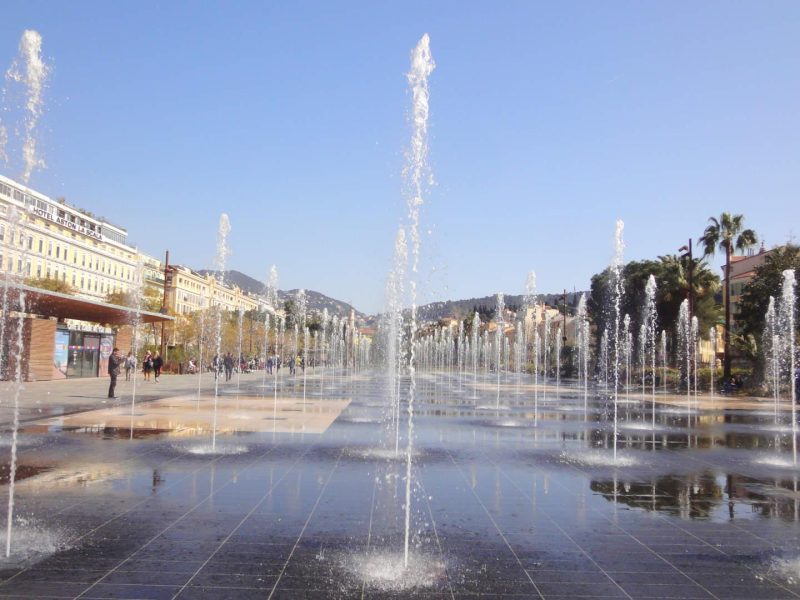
point(52, 285)
point(728, 234)
point(767, 281)
point(672, 288)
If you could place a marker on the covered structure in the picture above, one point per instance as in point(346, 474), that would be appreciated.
point(51, 350)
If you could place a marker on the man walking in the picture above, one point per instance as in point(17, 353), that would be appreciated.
point(114, 363)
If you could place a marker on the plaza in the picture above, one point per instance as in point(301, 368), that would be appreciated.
point(304, 498)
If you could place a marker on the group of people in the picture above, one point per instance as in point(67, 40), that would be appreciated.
point(151, 366)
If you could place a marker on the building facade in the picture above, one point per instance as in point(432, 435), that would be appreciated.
point(50, 239)
point(188, 291)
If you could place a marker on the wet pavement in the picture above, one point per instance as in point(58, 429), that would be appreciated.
point(520, 501)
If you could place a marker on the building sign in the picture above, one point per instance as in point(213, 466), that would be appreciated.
point(65, 223)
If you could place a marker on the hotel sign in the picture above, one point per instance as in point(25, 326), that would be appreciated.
point(65, 223)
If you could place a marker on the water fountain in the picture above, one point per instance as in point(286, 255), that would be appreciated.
point(219, 266)
point(422, 66)
point(617, 290)
point(499, 337)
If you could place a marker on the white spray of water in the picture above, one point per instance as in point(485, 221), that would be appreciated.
point(31, 71)
point(422, 66)
point(219, 266)
point(617, 293)
point(788, 306)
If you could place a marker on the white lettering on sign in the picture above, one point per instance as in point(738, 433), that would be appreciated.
point(65, 223)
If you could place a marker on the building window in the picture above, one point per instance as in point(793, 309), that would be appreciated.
point(74, 277)
point(83, 260)
point(39, 271)
point(48, 272)
point(41, 245)
point(2, 232)
point(28, 268)
point(58, 251)
point(64, 277)
point(49, 248)
point(83, 283)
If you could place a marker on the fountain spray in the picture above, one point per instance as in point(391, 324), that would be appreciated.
point(422, 66)
point(30, 70)
point(219, 266)
point(617, 293)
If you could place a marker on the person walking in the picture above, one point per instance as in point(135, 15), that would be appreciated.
point(114, 363)
point(130, 364)
point(158, 362)
point(147, 365)
point(228, 362)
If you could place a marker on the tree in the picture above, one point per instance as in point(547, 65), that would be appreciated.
point(672, 287)
point(767, 281)
point(727, 233)
point(151, 299)
point(53, 285)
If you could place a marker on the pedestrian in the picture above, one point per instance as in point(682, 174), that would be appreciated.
point(158, 362)
point(147, 365)
point(228, 362)
point(130, 364)
point(114, 363)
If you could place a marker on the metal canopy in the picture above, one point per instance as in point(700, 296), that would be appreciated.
point(64, 306)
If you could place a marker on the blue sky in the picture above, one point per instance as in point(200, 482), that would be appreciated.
point(548, 122)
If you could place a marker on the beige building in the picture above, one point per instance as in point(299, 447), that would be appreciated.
point(189, 291)
point(45, 238)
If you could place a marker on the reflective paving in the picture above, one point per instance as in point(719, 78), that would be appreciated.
point(521, 499)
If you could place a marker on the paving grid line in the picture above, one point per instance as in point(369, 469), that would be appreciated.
point(666, 521)
point(436, 536)
point(305, 525)
point(494, 523)
point(556, 524)
point(369, 529)
point(268, 493)
point(77, 539)
point(178, 520)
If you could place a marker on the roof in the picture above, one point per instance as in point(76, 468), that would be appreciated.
point(56, 304)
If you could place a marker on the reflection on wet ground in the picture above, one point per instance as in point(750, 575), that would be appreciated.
point(296, 500)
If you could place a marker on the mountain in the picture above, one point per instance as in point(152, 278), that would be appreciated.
point(315, 301)
point(463, 308)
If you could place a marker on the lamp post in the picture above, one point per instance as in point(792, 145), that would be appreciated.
point(687, 253)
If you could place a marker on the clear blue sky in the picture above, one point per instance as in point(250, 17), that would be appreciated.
point(548, 122)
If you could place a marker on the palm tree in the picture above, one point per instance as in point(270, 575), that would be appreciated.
point(727, 233)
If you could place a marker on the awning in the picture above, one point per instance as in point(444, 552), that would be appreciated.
point(63, 306)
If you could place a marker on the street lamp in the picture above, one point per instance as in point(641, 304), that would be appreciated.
point(687, 250)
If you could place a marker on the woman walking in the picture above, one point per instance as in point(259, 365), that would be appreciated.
point(147, 363)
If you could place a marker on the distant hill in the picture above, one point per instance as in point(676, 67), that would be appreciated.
point(315, 301)
point(464, 308)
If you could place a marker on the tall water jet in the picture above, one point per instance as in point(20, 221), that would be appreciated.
point(788, 308)
point(200, 336)
point(695, 352)
point(422, 66)
point(617, 291)
point(582, 339)
point(30, 70)
point(476, 332)
point(545, 349)
point(685, 347)
point(500, 326)
point(772, 352)
point(651, 324)
point(137, 297)
point(220, 261)
point(15, 222)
